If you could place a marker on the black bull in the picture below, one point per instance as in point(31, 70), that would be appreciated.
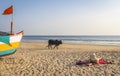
point(56, 43)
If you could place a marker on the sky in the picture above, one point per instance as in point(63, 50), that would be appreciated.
point(63, 17)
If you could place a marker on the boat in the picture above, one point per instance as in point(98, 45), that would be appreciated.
point(9, 42)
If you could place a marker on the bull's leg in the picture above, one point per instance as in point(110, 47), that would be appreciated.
point(56, 46)
point(49, 47)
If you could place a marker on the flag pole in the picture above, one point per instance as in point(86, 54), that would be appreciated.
point(11, 27)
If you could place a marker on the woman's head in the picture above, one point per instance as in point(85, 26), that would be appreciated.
point(93, 56)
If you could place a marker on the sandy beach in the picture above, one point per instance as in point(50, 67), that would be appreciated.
point(35, 59)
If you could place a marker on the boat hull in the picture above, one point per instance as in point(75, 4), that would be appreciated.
point(10, 47)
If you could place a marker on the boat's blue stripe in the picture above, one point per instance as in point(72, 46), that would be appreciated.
point(7, 52)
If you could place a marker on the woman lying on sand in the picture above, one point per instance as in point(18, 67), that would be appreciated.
point(93, 60)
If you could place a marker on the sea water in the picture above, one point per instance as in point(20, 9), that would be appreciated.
point(100, 40)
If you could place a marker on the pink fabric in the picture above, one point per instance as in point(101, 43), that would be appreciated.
point(101, 61)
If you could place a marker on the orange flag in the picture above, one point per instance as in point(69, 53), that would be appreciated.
point(8, 11)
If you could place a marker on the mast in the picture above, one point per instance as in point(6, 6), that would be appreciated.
point(11, 27)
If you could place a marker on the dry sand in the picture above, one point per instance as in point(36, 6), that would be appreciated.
point(35, 59)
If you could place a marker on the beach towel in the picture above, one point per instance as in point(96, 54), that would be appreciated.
point(101, 61)
point(88, 62)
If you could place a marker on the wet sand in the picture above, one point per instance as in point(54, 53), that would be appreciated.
point(35, 59)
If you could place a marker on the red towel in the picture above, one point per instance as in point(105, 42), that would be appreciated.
point(101, 61)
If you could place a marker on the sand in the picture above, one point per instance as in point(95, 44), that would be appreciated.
point(35, 59)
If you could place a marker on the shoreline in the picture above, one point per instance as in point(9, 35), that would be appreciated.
point(99, 40)
point(72, 43)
